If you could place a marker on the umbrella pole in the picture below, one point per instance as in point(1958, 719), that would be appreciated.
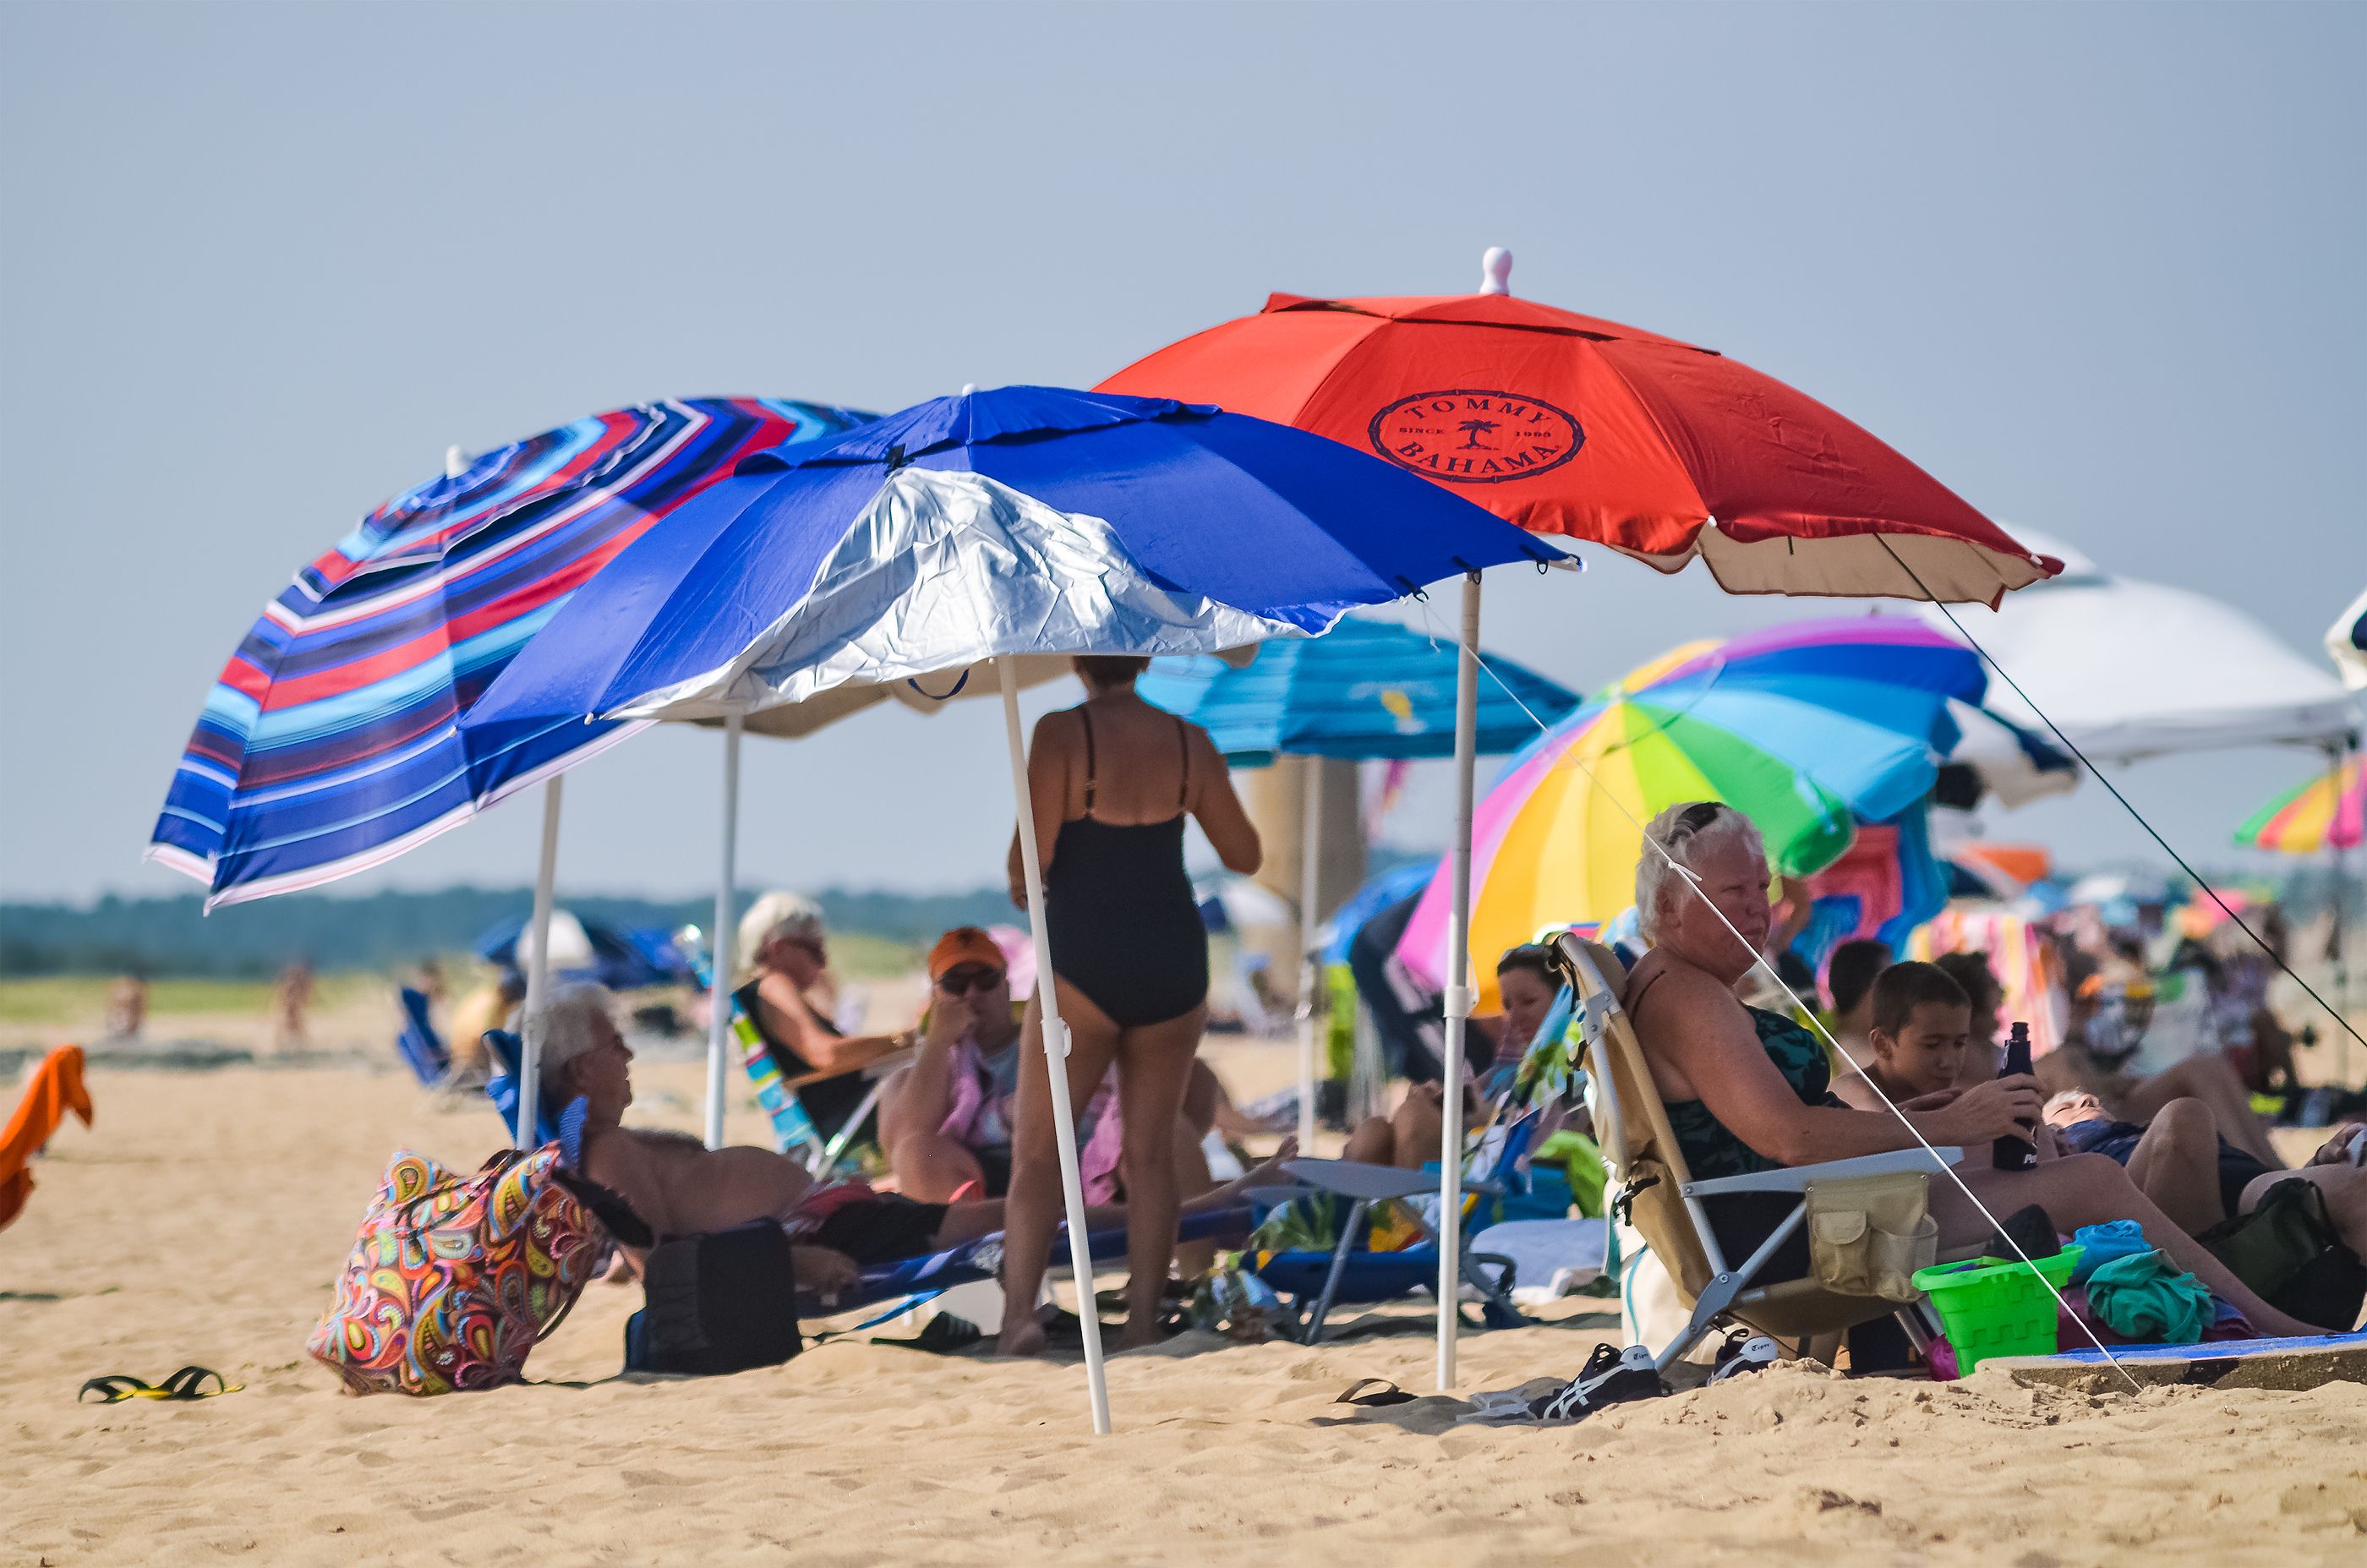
point(538, 970)
point(1310, 874)
point(722, 950)
point(1459, 989)
point(1056, 1053)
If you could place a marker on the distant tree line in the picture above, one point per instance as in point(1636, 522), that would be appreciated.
point(171, 937)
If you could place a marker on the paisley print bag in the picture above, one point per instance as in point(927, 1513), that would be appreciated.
point(455, 1278)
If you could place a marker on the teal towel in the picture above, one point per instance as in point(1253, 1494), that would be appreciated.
point(2144, 1297)
point(2107, 1243)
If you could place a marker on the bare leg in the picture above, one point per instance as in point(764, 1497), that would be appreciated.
point(1374, 1142)
point(1032, 1211)
point(932, 1168)
point(2086, 1190)
point(1154, 1063)
point(2207, 1076)
point(2175, 1164)
point(969, 1221)
point(1191, 1180)
point(1416, 1127)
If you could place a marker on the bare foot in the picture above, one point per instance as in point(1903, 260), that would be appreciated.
point(1021, 1336)
point(1265, 1173)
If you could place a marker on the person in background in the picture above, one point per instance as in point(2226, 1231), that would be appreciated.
point(126, 1008)
point(1982, 990)
point(945, 1121)
point(1920, 1024)
point(291, 1002)
point(2111, 1005)
point(489, 1006)
point(1112, 782)
point(1849, 974)
point(822, 1064)
point(1410, 1135)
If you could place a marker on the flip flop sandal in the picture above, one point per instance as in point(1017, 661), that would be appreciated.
point(1498, 1406)
point(186, 1383)
point(1383, 1393)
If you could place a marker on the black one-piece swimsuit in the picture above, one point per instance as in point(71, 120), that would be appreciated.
point(1124, 926)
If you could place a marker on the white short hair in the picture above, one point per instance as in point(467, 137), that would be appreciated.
point(773, 916)
point(567, 1025)
point(1680, 830)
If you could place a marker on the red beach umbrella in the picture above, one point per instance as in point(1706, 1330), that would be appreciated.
point(1566, 423)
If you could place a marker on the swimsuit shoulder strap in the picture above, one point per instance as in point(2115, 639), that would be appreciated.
point(1184, 750)
point(1087, 714)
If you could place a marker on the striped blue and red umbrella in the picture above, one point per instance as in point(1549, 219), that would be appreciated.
point(331, 741)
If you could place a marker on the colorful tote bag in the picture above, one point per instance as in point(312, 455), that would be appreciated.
point(454, 1278)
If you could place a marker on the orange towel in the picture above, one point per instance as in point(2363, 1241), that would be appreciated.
point(57, 1088)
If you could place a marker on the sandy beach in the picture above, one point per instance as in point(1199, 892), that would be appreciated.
point(204, 1216)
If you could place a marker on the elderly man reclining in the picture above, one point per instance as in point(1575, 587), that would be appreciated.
point(679, 1186)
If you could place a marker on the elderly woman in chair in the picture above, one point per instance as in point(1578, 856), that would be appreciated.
point(1747, 1089)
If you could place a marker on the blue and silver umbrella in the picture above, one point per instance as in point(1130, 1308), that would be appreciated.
point(993, 528)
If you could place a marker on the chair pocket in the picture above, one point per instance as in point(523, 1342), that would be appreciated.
point(1867, 1236)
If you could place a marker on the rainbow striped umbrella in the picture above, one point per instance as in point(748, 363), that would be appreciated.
point(331, 741)
point(1805, 727)
point(2330, 811)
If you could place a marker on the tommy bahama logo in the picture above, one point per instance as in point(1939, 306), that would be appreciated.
point(1467, 435)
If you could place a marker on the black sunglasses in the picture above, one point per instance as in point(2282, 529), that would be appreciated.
point(1693, 819)
point(969, 982)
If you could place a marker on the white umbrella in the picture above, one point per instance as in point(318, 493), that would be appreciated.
point(2130, 669)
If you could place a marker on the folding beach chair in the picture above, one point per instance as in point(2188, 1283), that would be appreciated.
point(1312, 1282)
point(506, 1049)
point(1667, 1205)
point(417, 1043)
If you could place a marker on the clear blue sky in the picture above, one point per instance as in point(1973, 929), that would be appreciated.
point(2096, 267)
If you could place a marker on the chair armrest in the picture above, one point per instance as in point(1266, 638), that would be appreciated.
point(1354, 1178)
point(1797, 1177)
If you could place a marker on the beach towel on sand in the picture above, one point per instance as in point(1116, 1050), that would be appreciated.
point(55, 1090)
point(454, 1278)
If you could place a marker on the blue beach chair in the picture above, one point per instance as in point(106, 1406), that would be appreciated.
point(418, 1045)
point(1311, 1282)
point(501, 1089)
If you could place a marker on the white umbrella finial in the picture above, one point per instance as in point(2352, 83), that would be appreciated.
point(1496, 271)
point(456, 462)
point(968, 388)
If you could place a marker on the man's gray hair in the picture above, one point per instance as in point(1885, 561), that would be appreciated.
point(566, 1025)
point(1680, 830)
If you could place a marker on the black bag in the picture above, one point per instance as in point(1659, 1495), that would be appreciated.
point(2288, 1251)
point(721, 1302)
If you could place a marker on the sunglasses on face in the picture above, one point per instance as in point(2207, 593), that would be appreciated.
point(969, 982)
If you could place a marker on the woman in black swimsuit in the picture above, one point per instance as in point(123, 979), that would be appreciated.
point(1113, 781)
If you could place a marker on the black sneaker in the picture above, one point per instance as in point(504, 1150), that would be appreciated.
point(1744, 1352)
point(1611, 1377)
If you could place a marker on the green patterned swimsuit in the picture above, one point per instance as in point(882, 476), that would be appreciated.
point(1709, 1149)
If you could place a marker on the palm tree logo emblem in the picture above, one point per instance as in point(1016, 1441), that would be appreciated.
point(1475, 435)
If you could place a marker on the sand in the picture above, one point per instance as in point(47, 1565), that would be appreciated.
point(204, 1217)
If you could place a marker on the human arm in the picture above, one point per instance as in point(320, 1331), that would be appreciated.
point(1219, 811)
point(787, 1018)
point(1047, 794)
point(919, 1097)
point(1701, 1047)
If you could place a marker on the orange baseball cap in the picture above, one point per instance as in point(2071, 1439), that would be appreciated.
point(964, 944)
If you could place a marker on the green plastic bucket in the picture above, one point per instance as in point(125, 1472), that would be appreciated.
point(1992, 1306)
